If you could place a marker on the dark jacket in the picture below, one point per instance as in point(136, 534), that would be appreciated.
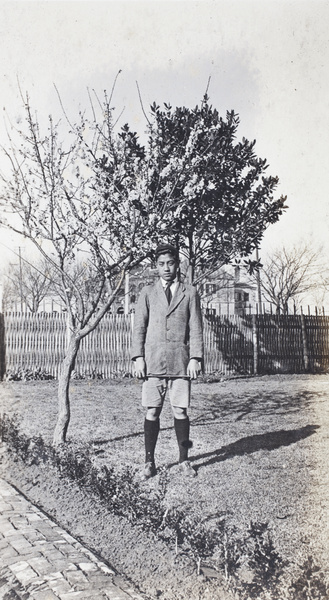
point(168, 336)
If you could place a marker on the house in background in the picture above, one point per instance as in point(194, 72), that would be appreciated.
point(225, 292)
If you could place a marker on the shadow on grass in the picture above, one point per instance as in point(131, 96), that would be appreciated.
point(236, 409)
point(253, 443)
point(217, 410)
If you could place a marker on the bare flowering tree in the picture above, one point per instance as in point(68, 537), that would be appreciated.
point(76, 189)
point(86, 187)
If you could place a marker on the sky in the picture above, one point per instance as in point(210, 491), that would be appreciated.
point(267, 60)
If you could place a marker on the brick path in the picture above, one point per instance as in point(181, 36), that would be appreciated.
point(41, 561)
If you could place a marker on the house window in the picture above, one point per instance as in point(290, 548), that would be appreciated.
point(210, 288)
point(246, 297)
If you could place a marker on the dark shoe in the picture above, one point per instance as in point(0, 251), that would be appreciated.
point(186, 469)
point(149, 470)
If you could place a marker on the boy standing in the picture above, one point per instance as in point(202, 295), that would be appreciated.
point(167, 351)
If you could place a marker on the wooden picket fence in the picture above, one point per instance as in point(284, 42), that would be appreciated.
point(37, 343)
point(34, 345)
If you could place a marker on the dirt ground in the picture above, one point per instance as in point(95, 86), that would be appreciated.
point(260, 448)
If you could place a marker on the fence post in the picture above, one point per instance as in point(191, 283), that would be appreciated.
point(304, 340)
point(127, 298)
point(2, 347)
point(255, 343)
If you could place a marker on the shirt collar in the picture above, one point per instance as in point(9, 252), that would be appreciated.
point(172, 283)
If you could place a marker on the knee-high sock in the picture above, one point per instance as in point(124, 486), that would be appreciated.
point(151, 431)
point(182, 429)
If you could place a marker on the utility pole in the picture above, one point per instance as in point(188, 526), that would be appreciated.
point(20, 276)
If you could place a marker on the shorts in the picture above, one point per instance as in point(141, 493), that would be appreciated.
point(155, 388)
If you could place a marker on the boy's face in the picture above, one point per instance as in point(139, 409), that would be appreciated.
point(167, 267)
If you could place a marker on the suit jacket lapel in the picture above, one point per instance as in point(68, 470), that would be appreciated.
point(178, 297)
point(161, 294)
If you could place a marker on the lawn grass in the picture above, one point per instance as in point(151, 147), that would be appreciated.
point(260, 447)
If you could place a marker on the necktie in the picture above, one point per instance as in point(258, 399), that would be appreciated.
point(168, 293)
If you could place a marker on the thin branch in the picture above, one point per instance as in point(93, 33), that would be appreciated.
point(208, 84)
point(141, 103)
point(119, 117)
point(114, 84)
point(91, 103)
point(62, 106)
point(103, 310)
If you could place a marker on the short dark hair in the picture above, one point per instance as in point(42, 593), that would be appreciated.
point(166, 249)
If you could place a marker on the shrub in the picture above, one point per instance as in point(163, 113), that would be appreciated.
point(311, 584)
point(264, 562)
point(22, 374)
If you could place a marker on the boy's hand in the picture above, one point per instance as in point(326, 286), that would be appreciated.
point(140, 367)
point(193, 369)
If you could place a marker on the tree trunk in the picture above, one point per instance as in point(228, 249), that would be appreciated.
point(190, 274)
point(63, 418)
